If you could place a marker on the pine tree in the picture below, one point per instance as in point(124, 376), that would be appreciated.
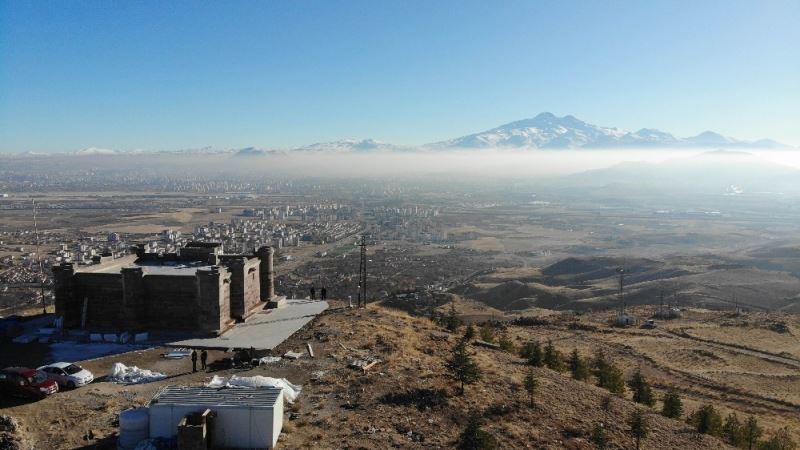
point(462, 367)
point(469, 333)
point(531, 383)
point(609, 376)
point(552, 357)
point(474, 438)
point(641, 389)
point(599, 437)
point(732, 430)
point(639, 428)
point(452, 322)
point(673, 407)
point(536, 357)
point(577, 366)
point(706, 420)
point(505, 343)
point(487, 332)
point(751, 432)
point(526, 350)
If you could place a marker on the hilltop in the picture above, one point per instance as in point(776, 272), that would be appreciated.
point(406, 401)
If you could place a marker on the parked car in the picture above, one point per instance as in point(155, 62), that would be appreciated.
point(25, 382)
point(67, 375)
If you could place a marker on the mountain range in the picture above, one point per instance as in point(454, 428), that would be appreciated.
point(545, 131)
point(548, 131)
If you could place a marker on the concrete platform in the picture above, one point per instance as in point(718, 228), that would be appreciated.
point(264, 330)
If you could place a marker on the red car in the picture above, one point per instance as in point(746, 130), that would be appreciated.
point(24, 382)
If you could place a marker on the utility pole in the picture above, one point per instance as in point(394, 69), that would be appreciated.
point(362, 274)
point(621, 272)
point(39, 256)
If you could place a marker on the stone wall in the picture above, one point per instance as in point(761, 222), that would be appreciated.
point(103, 295)
point(252, 285)
point(170, 302)
point(63, 288)
point(213, 299)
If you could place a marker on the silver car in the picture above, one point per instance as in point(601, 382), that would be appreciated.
point(67, 375)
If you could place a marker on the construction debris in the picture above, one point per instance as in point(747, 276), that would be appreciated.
point(479, 343)
point(292, 355)
point(364, 363)
point(310, 350)
point(120, 373)
point(177, 353)
point(268, 360)
point(290, 391)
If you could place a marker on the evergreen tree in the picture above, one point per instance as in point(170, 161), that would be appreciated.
point(505, 343)
point(531, 383)
point(536, 357)
point(451, 321)
point(706, 420)
point(614, 380)
point(732, 430)
point(641, 389)
point(780, 440)
point(599, 437)
point(469, 333)
point(639, 428)
point(673, 407)
point(609, 376)
point(487, 332)
point(552, 357)
point(577, 366)
point(607, 402)
point(462, 367)
point(526, 350)
point(751, 433)
point(474, 438)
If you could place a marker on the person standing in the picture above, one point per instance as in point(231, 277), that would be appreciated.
point(203, 359)
point(194, 360)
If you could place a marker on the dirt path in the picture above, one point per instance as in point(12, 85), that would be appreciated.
point(766, 356)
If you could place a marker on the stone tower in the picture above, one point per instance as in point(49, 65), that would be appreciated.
point(266, 273)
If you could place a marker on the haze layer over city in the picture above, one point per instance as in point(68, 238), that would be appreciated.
point(400, 224)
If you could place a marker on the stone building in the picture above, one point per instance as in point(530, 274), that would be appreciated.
point(199, 289)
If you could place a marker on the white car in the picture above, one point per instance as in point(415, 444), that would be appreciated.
point(68, 374)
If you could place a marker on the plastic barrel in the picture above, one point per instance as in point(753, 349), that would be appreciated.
point(134, 427)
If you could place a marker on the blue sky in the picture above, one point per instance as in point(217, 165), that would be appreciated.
point(170, 74)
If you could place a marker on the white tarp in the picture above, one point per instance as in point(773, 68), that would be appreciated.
point(120, 373)
point(290, 391)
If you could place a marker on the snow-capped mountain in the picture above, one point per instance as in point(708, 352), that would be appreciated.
point(548, 131)
point(95, 151)
point(545, 131)
point(350, 145)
